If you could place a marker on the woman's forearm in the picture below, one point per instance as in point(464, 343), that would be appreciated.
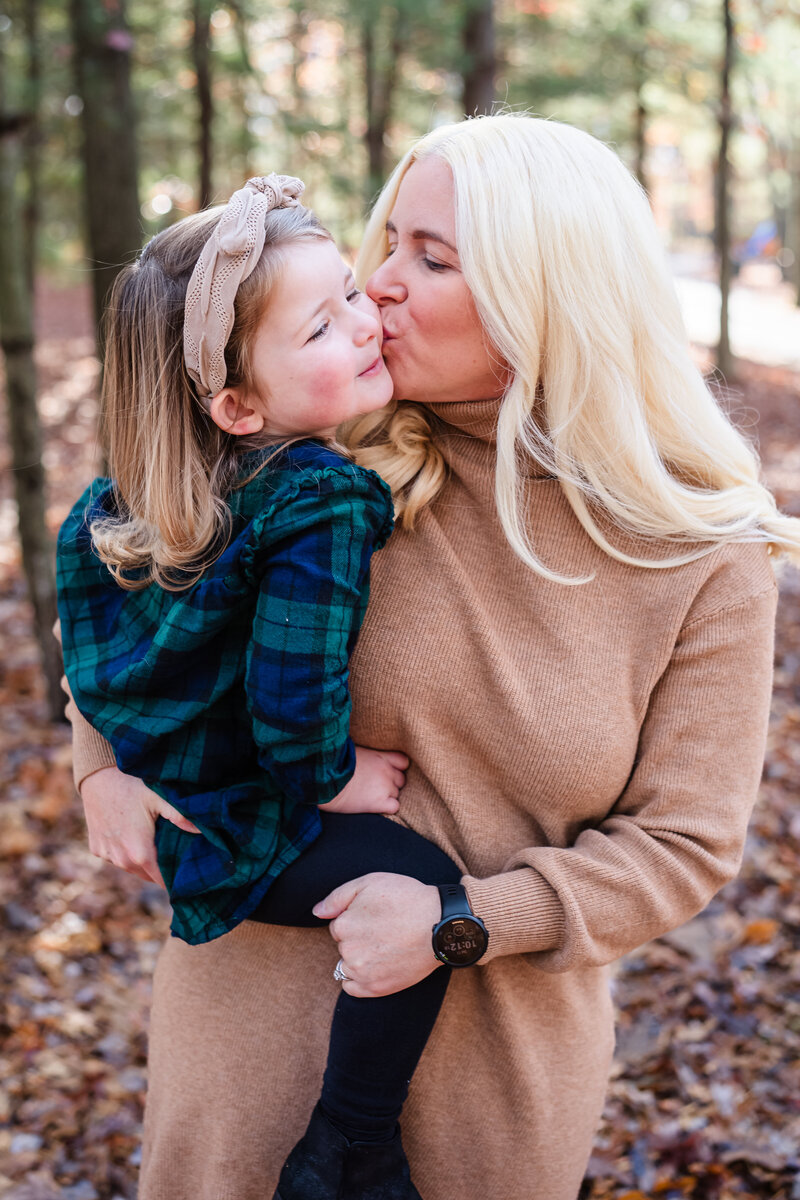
point(676, 833)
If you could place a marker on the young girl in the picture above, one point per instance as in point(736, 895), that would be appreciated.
point(225, 567)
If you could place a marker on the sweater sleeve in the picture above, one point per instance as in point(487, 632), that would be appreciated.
point(90, 750)
point(677, 832)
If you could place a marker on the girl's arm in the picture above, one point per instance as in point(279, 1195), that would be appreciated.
point(310, 560)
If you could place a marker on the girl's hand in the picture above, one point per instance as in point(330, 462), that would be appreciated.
point(374, 787)
point(382, 924)
point(121, 816)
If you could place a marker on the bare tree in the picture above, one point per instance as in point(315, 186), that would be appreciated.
point(381, 47)
point(201, 56)
point(641, 19)
point(17, 342)
point(480, 57)
point(722, 229)
point(102, 57)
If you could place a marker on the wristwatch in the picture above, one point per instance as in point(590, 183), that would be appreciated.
point(460, 938)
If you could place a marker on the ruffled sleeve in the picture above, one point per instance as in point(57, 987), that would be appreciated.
point(308, 555)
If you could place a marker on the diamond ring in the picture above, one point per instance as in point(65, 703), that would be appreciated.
point(339, 973)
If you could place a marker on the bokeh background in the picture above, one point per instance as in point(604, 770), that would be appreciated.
point(118, 118)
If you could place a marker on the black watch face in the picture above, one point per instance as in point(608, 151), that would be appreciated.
point(461, 941)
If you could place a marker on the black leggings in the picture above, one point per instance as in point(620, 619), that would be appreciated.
point(375, 1044)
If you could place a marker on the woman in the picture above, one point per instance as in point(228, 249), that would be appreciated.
point(570, 635)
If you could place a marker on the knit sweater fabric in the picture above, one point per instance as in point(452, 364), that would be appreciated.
point(588, 754)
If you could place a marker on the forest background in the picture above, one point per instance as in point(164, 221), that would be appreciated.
point(117, 119)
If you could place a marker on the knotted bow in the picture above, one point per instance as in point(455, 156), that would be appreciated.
point(226, 260)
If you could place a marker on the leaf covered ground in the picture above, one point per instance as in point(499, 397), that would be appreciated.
point(704, 1102)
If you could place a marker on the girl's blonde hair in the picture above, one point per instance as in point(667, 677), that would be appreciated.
point(172, 466)
point(560, 251)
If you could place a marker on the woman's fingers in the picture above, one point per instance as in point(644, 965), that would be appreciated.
point(337, 901)
point(165, 810)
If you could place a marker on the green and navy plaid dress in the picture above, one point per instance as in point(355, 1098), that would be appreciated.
point(230, 699)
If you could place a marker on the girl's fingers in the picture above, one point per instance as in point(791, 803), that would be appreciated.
point(398, 779)
point(396, 758)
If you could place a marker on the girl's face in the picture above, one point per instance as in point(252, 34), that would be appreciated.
point(316, 357)
point(433, 341)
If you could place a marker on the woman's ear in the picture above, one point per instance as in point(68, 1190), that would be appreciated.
point(233, 415)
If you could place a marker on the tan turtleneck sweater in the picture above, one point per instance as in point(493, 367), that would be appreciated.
point(590, 755)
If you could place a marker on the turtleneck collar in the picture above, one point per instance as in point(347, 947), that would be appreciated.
point(471, 425)
point(475, 418)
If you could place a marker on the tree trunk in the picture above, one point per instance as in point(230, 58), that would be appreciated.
point(641, 19)
point(201, 55)
point(16, 339)
point(102, 57)
point(792, 243)
point(33, 138)
point(723, 234)
point(380, 77)
point(480, 60)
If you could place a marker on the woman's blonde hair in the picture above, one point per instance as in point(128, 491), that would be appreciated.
point(172, 465)
point(560, 251)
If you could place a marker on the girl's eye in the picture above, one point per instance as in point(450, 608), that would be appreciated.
point(323, 329)
point(432, 265)
point(351, 296)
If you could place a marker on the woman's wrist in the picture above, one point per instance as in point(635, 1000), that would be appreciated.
point(522, 912)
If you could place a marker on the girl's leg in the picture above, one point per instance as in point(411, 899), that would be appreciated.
point(375, 1044)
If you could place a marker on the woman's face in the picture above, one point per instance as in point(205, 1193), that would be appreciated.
point(433, 341)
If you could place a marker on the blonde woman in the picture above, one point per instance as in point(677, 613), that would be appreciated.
point(569, 634)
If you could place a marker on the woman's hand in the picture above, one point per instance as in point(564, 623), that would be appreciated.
point(375, 784)
point(121, 816)
point(382, 924)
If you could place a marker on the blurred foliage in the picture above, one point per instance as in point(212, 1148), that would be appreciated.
point(289, 93)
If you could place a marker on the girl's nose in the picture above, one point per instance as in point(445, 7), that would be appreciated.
point(368, 327)
point(384, 286)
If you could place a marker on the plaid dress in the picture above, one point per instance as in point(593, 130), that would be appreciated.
point(230, 699)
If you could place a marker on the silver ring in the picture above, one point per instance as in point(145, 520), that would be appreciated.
point(339, 974)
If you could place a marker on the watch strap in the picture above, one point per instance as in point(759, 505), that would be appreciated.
point(454, 900)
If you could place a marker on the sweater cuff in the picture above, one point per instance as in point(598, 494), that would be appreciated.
point(521, 911)
point(90, 750)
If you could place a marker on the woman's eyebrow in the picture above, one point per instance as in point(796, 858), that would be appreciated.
point(424, 235)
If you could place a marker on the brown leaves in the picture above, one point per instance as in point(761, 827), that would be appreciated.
point(704, 1102)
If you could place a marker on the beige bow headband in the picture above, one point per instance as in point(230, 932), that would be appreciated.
point(228, 257)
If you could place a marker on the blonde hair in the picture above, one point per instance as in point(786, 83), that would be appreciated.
point(172, 465)
point(561, 254)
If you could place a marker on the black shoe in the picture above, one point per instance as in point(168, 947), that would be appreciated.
point(324, 1165)
point(313, 1170)
point(377, 1171)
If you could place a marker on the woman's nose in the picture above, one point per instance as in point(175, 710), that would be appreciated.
point(384, 286)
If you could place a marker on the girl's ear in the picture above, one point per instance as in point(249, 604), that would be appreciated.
point(233, 415)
